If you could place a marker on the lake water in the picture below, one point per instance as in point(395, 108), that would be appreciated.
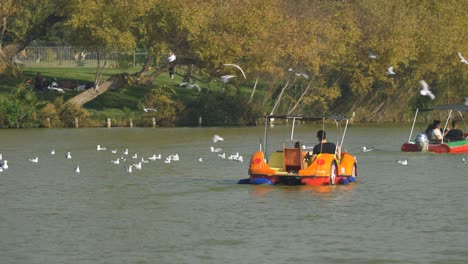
point(194, 212)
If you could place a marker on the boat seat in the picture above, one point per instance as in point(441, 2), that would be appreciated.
point(276, 161)
point(292, 159)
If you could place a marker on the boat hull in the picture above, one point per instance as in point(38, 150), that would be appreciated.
point(325, 170)
point(450, 147)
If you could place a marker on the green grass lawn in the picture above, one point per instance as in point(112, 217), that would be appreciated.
point(117, 100)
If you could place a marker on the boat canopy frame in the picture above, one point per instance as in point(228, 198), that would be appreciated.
point(269, 118)
point(450, 108)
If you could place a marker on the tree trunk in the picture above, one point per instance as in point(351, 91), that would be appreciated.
point(89, 95)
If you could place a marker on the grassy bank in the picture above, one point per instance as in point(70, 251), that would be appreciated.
point(126, 102)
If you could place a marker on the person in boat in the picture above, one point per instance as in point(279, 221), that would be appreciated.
point(455, 133)
point(436, 134)
point(323, 146)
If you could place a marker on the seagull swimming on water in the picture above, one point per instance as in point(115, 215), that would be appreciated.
point(238, 67)
point(462, 59)
point(213, 149)
point(4, 165)
point(68, 156)
point(77, 169)
point(365, 149)
point(34, 160)
point(425, 90)
point(100, 148)
point(403, 162)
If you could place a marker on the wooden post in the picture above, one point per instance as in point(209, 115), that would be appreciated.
point(199, 121)
point(154, 121)
point(48, 122)
point(76, 122)
point(131, 122)
point(108, 122)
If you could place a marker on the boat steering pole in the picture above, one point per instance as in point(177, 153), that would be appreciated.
point(412, 127)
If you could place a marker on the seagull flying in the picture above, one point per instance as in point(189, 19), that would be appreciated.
point(461, 58)
point(149, 109)
point(188, 85)
point(226, 78)
point(425, 90)
point(371, 55)
point(303, 75)
point(217, 138)
point(238, 67)
point(390, 71)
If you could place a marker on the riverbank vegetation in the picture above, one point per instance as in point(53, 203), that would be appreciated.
point(299, 57)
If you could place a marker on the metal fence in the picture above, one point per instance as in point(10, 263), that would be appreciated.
point(69, 56)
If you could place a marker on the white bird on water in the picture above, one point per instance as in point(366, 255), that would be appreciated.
point(100, 148)
point(154, 157)
point(403, 162)
point(425, 90)
point(390, 71)
point(461, 58)
point(200, 159)
point(52, 152)
point(137, 166)
point(217, 138)
point(34, 160)
point(213, 149)
point(68, 156)
point(238, 67)
point(365, 149)
point(4, 165)
point(77, 169)
point(117, 161)
point(129, 169)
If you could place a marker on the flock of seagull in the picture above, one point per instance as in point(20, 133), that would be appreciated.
point(133, 162)
point(424, 86)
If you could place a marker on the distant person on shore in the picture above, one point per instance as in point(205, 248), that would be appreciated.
point(39, 81)
point(170, 59)
point(455, 133)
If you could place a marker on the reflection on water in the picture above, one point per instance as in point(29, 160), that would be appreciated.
point(194, 212)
